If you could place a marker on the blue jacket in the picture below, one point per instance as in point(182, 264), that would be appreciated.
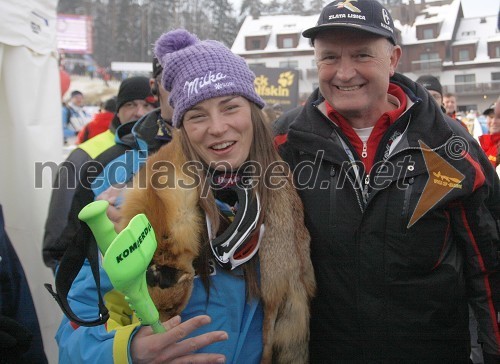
point(110, 343)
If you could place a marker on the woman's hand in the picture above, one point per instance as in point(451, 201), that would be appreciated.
point(114, 196)
point(169, 347)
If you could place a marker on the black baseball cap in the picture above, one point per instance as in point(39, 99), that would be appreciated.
point(366, 15)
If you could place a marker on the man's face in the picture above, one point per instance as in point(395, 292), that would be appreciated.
point(490, 117)
point(450, 104)
point(436, 96)
point(354, 68)
point(77, 100)
point(134, 110)
point(494, 126)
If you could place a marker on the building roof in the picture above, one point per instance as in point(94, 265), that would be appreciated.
point(445, 16)
point(274, 25)
point(448, 17)
point(474, 30)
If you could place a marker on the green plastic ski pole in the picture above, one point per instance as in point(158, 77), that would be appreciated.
point(126, 258)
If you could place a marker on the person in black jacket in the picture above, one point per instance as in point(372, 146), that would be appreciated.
point(134, 100)
point(401, 203)
point(20, 336)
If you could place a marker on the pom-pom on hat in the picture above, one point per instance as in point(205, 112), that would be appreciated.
point(195, 71)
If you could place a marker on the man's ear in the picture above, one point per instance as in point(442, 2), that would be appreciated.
point(153, 84)
point(395, 57)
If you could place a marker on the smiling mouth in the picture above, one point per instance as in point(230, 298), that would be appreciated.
point(222, 146)
point(348, 88)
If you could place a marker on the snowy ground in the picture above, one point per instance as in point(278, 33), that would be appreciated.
point(94, 90)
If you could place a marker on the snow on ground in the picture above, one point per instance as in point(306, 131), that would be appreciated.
point(94, 90)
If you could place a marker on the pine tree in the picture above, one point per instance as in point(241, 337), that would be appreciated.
point(72, 7)
point(295, 6)
point(160, 20)
point(101, 33)
point(122, 30)
point(273, 7)
point(251, 7)
point(223, 24)
point(317, 5)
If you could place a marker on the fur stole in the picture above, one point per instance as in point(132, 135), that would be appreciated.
point(286, 273)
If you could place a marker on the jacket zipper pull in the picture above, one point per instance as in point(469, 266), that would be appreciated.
point(365, 188)
point(364, 153)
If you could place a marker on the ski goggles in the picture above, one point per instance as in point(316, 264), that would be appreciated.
point(241, 240)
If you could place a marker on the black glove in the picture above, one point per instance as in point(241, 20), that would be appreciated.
point(15, 340)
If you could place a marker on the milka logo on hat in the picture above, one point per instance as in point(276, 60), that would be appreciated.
point(194, 86)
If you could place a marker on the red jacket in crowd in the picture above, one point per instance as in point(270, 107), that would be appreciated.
point(99, 124)
point(490, 144)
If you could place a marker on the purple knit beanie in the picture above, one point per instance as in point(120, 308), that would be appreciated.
point(195, 71)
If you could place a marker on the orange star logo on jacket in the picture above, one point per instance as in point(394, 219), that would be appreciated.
point(443, 178)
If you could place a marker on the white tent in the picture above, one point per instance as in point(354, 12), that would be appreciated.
point(30, 133)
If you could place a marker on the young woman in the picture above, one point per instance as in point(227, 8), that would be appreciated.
point(232, 244)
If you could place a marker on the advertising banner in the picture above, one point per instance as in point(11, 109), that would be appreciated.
point(277, 86)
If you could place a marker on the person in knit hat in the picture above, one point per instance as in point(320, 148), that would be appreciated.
point(214, 71)
point(434, 87)
point(133, 101)
point(229, 246)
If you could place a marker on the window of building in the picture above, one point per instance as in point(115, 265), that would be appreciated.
point(429, 61)
point(495, 76)
point(465, 78)
point(428, 33)
point(252, 65)
point(255, 44)
point(463, 55)
point(496, 51)
point(467, 108)
point(465, 82)
point(289, 64)
point(469, 33)
point(288, 42)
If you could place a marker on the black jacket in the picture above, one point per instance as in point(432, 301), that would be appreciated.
point(62, 222)
point(388, 290)
point(20, 336)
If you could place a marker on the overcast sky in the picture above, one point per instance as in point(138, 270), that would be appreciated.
point(475, 8)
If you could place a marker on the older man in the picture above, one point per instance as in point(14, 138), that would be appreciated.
point(400, 202)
